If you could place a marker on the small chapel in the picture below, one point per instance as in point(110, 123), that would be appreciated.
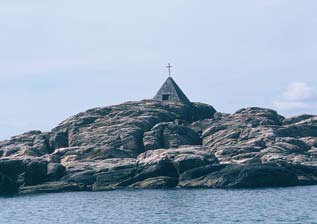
point(170, 91)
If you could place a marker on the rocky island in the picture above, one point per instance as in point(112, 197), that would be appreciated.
point(166, 142)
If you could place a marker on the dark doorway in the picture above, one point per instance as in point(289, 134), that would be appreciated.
point(165, 97)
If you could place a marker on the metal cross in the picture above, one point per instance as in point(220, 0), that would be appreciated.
point(169, 69)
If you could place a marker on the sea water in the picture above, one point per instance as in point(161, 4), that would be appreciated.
point(272, 205)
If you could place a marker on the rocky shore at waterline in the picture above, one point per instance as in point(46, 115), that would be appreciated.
point(162, 144)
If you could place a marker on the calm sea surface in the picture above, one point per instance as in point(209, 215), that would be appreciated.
point(279, 205)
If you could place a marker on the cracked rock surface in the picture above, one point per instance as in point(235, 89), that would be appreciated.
point(153, 144)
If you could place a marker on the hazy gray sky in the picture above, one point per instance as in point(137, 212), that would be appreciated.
point(58, 58)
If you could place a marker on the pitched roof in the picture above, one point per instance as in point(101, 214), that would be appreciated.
point(170, 91)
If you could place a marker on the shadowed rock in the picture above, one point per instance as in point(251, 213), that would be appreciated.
point(162, 144)
point(239, 176)
point(156, 183)
point(170, 135)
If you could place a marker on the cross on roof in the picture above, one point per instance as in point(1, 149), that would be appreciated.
point(171, 92)
point(169, 69)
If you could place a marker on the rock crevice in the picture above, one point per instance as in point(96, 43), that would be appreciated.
point(157, 144)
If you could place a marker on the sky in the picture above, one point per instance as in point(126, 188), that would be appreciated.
point(59, 58)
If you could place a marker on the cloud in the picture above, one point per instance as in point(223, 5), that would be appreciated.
point(297, 96)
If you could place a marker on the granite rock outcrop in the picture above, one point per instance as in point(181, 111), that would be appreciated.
point(157, 144)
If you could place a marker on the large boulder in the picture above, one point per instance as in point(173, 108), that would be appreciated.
point(181, 159)
point(170, 135)
point(16, 173)
point(55, 171)
point(114, 177)
point(59, 139)
point(155, 168)
point(35, 172)
point(123, 126)
point(28, 145)
point(257, 135)
point(303, 126)
point(239, 176)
